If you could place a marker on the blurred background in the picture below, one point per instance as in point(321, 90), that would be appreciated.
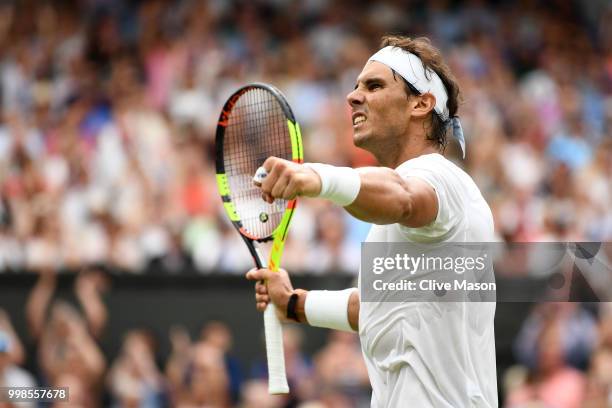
point(119, 275)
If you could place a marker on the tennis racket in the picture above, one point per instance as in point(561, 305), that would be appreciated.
point(256, 122)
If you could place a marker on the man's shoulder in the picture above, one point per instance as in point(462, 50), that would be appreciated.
point(419, 161)
point(438, 169)
point(459, 199)
point(434, 161)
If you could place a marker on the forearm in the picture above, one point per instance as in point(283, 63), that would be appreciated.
point(321, 308)
point(37, 304)
point(377, 195)
point(95, 311)
point(374, 194)
point(90, 354)
point(384, 197)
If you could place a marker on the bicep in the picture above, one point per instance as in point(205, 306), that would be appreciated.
point(387, 197)
point(423, 202)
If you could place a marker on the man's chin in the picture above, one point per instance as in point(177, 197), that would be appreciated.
point(360, 139)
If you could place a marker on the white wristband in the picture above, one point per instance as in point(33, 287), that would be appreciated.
point(340, 185)
point(328, 308)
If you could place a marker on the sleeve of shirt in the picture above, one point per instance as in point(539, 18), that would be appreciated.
point(449, 207)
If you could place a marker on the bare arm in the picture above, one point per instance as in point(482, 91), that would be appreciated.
point(16, 351)
point(384, 196)
point(90, 354)
point(88, 286)
point(278, 290)
point(39, 300)
point(353, 310)
point(387, 198)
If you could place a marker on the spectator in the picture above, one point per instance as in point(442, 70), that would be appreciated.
point(107, 121)
point(207, 382)
point(551, 382)
point(11, 375)
point(577, 334)
point(340, 367)
point(67, 349)
point(201, 373)
point(134, 379)
point(219, 336)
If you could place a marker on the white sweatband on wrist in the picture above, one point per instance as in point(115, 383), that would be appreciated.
point(328, 309)
point(340, 185)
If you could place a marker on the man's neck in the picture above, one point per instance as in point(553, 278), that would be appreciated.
point(410, 151)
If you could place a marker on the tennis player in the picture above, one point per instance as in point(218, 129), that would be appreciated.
point(418, 354)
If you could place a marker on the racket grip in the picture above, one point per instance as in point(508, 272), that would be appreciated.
point(277, 377)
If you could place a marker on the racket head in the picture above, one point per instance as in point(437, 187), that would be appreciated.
point(256, 122)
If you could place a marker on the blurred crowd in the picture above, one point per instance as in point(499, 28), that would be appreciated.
point(107, 119)
point(109, 109)
point(198, 372)
point(562, 353)
point(564, 356)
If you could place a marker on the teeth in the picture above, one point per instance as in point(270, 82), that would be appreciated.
point(358, 120)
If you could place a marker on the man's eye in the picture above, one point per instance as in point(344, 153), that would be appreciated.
point(373, 87)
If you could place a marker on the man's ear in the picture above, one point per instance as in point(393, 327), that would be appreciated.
point(424, 104)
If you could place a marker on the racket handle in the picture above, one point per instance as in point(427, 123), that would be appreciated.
point(277, 377)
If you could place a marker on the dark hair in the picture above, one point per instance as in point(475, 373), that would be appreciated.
point(432, 59)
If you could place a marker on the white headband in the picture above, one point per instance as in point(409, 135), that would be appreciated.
point(424, 80)
point(410, 67)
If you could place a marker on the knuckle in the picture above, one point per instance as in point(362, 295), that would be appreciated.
point(269, 161)
point(298, 181)
point(280, 166)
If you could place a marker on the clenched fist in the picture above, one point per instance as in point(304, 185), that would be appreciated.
point(287, 180)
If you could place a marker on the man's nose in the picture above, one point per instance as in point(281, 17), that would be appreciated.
point(355, 98)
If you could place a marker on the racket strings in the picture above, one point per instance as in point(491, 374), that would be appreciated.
point(256, 130)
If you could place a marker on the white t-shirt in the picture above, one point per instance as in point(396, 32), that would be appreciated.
point(439, 354)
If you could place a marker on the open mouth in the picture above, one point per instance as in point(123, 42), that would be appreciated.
point(358, 119)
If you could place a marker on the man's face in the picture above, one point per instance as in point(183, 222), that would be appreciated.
point(380, 108)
